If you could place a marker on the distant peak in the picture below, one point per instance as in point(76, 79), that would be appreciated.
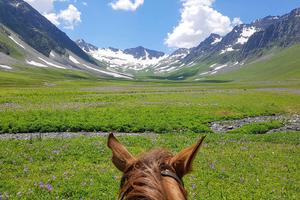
point(80, 41)
point(86, 46)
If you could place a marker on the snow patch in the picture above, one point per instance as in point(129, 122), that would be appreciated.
point(217, 40)
point(213, 65)
point(220, 67)
point(37, 64)
point(73, 59)
point(228, 49)
point(52, 54)
point(5, 67)
point(246, 34)
point(51, 64)
point(204, 73)
point(214, 72)
point(15, 41)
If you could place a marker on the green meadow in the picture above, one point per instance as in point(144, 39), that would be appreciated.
point(242, 164)
point(228, 166)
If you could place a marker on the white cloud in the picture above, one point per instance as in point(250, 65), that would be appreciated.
point(236, 21)
point(198, 20)
point(128, 5)
point(68, 17)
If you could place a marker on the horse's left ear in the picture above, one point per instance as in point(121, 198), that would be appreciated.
point(182, 162)
point(121, 158)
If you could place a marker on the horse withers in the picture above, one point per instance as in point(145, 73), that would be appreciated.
point(155, 175)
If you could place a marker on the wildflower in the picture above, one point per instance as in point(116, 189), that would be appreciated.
point(49, 187)
point(41, 185)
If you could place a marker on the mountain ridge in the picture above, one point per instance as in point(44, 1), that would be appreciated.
point(36, 30)
point(27, 37)
point(243, 43)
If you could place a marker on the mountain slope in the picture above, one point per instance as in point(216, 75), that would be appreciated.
point(283, 65)
point(283, 32)
point(36, 30)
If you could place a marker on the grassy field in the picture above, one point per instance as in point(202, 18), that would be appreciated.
point(237, 165)
point(133, 107)
point(228, 166)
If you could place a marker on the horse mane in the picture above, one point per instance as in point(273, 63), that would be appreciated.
point(143, 180)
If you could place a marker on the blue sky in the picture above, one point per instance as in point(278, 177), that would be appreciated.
point(148, 23)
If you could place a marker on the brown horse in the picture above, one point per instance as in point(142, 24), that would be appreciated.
point(156, 175)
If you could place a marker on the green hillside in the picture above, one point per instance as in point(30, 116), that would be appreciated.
point(284, 65)
point(24, 76)
point(7, 46)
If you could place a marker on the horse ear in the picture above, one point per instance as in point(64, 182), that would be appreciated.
point(182, 162)
point(121, 157)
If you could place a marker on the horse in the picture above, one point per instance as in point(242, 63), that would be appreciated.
point(155, 175)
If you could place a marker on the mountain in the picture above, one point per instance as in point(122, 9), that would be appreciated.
point(203, 48)
point(86, 46)
point(143, 53)
point(132, 60)
point(216, 54)
point(28, 41)
point(244, 44)
point(171, 62)
point(31, 43)
point(283, 32)
point(36, 30)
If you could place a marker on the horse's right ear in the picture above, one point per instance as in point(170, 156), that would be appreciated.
point(183, 161)
point(121, 158)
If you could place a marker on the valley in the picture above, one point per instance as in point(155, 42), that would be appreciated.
point(76, 164)
point(59, 100)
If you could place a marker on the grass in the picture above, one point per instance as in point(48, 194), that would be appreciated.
point(243, 165)
point(132, 108)
point(258, 127)
point(10, 45)
point(227, 167)
point(281, 66)
point(45, 100)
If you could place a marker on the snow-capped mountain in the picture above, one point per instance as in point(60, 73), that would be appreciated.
point(41, 44)
point(171, 62)
point(245, 42)
point(135, 59)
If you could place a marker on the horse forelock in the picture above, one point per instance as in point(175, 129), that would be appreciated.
point(143, 178)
